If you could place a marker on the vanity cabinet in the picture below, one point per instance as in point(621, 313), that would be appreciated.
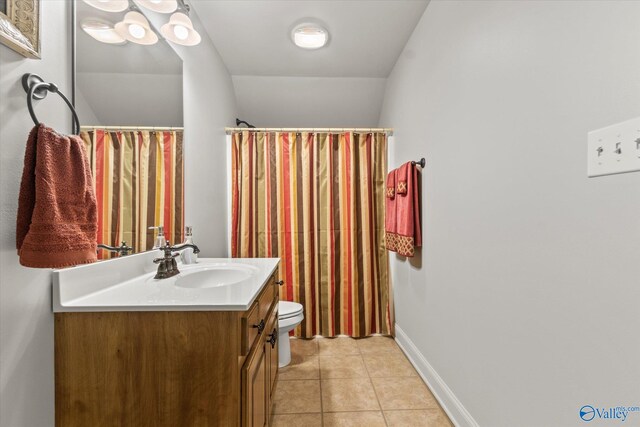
point(169, 368)
point(259, 373)
point(256, 400)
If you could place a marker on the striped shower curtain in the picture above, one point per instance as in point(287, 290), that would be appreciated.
point(138, 178)
point(316, 201)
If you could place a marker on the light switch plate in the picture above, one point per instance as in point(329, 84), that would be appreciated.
point(614, 149)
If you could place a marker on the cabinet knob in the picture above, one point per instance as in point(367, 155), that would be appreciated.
point(260, 326)
point(274, 338)
point(280, 282)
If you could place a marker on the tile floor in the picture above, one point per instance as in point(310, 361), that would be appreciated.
point(346, 382)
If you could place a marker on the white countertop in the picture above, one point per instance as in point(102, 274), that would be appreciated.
point(127, 284)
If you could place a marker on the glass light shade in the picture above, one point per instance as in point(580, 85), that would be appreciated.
point(180, 30)
point(135, 28)
point(102, 31)
point(309, 36)
point(160, 6)
point(109, 5)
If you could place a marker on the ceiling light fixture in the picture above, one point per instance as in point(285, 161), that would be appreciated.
point(135, 28)
point(180, 30)
point(102, 31)
point(160, 6)
point(309, 36)
point(109, 5)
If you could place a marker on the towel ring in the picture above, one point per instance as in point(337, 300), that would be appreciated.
point(36, 88)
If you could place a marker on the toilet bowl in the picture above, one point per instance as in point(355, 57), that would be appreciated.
point(290, 314)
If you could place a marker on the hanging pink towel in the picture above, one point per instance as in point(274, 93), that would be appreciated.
point(403, 229)
point(57, 215)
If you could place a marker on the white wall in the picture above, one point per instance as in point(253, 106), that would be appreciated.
point(526, 296)
point(26, 321)
point(132, 99)
point(209, 106)
point(280, 101)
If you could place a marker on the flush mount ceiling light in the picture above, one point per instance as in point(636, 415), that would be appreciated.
point(309, 36)
point(160, 6)
point(102, 31)
point(135, 28)
point(109, 5)
point(180, 30)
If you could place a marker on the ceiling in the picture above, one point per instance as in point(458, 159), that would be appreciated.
point(366, 37)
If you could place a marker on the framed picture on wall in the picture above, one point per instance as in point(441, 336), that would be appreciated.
point(20, 26)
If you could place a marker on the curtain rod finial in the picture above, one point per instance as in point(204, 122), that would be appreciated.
point(242, 122)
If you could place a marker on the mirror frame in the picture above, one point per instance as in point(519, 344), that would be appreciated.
point(73, 57)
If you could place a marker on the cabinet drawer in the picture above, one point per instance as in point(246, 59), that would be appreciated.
point(266, 298)
point(250, 328)
point(255, 321)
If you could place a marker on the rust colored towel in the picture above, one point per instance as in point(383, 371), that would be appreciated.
point(57, 215)
point(390, 212)
point(403, 233)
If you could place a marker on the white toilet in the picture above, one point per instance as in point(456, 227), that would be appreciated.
point(290, 314)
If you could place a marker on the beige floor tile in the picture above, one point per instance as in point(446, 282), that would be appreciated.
point(354, 419)
point(424, 418)
point(300, 368)
point(297, 397)
point(386, 365)
point(350, 366)
point(337, 346)
point(354, 394)
point(297, 420)
point(403, 393)
point(303, 347)
point(374, 345)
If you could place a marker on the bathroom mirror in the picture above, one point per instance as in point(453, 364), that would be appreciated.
point(128, 97)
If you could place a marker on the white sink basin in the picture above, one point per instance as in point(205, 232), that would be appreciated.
point(128, 284)
point(215, 276)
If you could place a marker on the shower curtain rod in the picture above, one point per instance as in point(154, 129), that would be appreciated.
point(388, 131)
point(132, 127)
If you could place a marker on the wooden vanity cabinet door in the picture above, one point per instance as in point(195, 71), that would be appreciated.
point(272, 353)
point(255, 397)
point(271, 356)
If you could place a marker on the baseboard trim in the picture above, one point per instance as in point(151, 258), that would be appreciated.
point(457, 413)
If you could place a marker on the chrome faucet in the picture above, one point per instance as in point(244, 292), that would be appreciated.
point(167, 265)
point(122, 250)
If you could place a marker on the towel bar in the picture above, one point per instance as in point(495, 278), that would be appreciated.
point(422, 162)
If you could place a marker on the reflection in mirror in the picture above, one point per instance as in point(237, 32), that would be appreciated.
point(129, 101)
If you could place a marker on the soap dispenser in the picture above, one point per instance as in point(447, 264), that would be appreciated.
point(187, 255)
point(160, 239)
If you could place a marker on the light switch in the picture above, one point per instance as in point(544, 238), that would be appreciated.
point(614, 149)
